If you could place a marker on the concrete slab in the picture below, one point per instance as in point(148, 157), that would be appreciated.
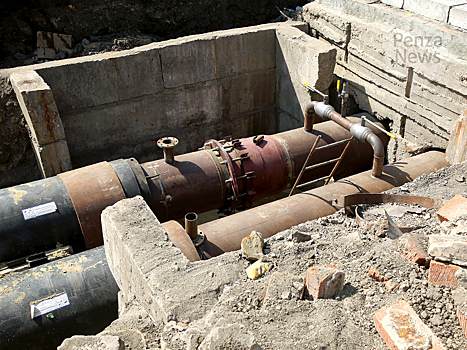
point(395, 3)
point(150, 269)
point(458, 16)
point(434, 9)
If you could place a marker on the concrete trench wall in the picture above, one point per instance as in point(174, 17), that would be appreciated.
point(400, 66)
point(236, 82)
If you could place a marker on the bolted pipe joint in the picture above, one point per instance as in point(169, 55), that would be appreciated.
point(324, 110)
point(168, 144)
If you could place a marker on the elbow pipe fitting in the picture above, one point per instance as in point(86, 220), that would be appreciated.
point(378, 154)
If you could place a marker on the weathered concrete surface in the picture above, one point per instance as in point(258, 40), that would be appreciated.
point(403, 68)
point(92, 342)
point(451, 249)
point(151, 270)
point(458, 16)
point(45, 126)
point(300, 58)
point(230, 336)
point(434, 9)
point(195, 88)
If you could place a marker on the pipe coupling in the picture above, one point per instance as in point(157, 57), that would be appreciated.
point(360, 132)
point(324, 110)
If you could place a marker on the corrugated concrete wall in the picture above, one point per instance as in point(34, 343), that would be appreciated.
point(400, 66)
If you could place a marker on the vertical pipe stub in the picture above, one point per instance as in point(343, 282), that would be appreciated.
point(191, 225)
point(168, 144)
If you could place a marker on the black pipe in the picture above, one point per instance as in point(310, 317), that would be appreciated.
point(89, 286)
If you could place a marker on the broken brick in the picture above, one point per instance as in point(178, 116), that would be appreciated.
point(284, 282)
point(324, 282)
point(456, 206)
point(373, 273)
point(443, 274)
point(462, 317)
point(413, 247)
point(401, 328)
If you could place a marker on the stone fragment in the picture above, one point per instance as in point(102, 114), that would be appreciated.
point(324, 282)
point(402, 329)
point(230, 336)
point(252, 246)
point(454, 208)
point(282, 284)
point(413, 247)
point(92, 342)
point(180, 336)
point(299, 237)
point(443, 274)
point(449, 248)
point(257, 269)
point(391, 285)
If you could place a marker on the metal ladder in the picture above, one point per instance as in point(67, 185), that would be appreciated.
point(314, 166)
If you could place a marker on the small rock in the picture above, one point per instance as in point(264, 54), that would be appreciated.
point(391, 285)
point(230, 336)
point(437, 320)
point(299, 237)
point(450, 248)
point(252, 246)
point(460, 178)
point(61, 55)
point(92, 342)
point(286, 295)
point(257, 269)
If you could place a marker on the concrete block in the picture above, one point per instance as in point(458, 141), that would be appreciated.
point(243, 50)
point(45, 53)
point(62, 42)
point(45, 125)
point(92, 342)
point(150, 269)
point(188, 62)
point(93, 81)
point(301, 58)
point(414, 247)
point(285, 286)
point(401, 328)
point(434, 9)
point(396, 3)
point(449, 248)
point(443, 274)
point(454, 208)
point(249, 92)
point(458, 16)
point(324, 282)
point(456, 151)
point(230, 336)
point(45, 39)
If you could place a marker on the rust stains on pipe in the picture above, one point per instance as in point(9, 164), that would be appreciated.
point(226, 234)
point(309, 112)
point(238, 172)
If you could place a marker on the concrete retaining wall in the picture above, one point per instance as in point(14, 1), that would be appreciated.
point(401, 67)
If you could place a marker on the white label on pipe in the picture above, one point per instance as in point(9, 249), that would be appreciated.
point(39, 210)
point(39, 308)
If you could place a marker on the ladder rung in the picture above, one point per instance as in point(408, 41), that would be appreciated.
point(312, 181)
point(322, 164)
point(333, 144)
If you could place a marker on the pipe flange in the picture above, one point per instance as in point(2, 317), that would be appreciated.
point(199, 239)
point(167, 142)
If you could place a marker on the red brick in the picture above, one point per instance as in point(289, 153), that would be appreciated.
point(373, 273)
point(324, 281)
point(456, 206)
point(401, 328)
point(413, 248)
point(462, 317)
point(442, 274)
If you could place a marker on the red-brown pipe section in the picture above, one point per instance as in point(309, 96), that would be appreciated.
point(239, 172)
point(226, 234)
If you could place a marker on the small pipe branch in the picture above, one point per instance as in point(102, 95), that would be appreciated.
point(168, 144)
point(191, 225)
point(361, 132)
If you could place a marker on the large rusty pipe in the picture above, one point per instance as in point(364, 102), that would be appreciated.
point(225, 234)
point(239, 172)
